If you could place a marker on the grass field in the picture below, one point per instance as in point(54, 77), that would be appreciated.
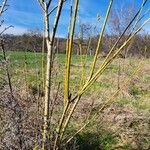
point(126, 117)
point(139, 90)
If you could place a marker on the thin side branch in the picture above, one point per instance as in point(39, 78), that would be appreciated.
point(53, 9)
point(2, 8)
point(6, 29)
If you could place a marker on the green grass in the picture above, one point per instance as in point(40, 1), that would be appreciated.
point(135, 95)
point(107, 82)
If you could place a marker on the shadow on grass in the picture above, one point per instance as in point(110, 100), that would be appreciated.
point(93, 141)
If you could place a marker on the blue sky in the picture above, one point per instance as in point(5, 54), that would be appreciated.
point(26, 14)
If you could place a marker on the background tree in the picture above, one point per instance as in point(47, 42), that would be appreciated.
point(119, 19)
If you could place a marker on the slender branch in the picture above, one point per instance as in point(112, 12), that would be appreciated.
point(82, 79)
point(70, 52)
point(41, 4)
point(2, 9)
point(53, 9)
point(138, 20)
point(66, 106)
point(111, 99)
point(6, 29)
point(1, 23)
point(116, 43)
point(55, 25)
point(66, 94)
point(49, 43)
point(69, 116)
point(7, 68)
point(67, 50)
point(49, 3)
point(105, 64)
point(100, 39)
point(123, 33)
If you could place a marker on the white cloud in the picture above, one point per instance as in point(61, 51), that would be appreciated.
point(147, 28)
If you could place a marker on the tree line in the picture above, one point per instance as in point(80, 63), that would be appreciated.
point(32, 42)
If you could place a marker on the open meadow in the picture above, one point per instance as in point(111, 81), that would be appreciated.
point(123, 124)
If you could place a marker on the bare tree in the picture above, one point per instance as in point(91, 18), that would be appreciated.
point(118, 20)
point(120, 16)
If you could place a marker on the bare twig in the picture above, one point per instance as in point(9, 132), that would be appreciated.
point(2, 8)
point(53, 9)
point(7, 69)
point(6, 29)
